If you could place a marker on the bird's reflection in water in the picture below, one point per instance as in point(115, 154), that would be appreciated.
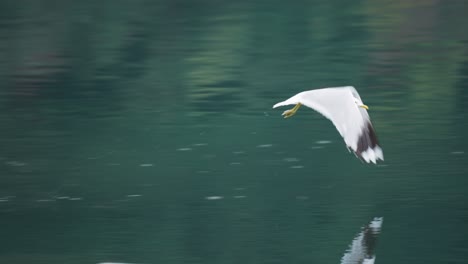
point(362, 249)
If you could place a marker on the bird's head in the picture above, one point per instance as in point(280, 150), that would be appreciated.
point(359, 103)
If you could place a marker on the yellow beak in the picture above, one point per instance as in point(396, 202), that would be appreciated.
point(364, 106)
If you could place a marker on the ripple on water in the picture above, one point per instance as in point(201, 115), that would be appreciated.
point(133, 195)
point(45, 200)
point(6, 198)
point(265, 146)
point(214, 197)
point(184, 149)
point(15, 163)
point(323, 142)
point(382, 165)
point(291, 159)
point(297, 167)
point(146, 165)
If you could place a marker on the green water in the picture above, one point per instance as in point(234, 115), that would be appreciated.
point(142, 132)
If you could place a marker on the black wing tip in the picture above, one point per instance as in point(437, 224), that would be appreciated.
point(368, 148)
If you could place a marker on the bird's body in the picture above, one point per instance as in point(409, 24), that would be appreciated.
point(344, 107)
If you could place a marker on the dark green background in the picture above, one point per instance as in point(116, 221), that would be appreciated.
point(119, 120)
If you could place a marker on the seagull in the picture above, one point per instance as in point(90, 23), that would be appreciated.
point(362, 248)
point(344, 107)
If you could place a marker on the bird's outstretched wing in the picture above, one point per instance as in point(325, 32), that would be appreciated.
point(352, 122)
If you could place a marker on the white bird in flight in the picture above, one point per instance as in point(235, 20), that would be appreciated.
point(344, 107)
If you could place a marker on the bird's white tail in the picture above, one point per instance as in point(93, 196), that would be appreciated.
point(290, 101)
